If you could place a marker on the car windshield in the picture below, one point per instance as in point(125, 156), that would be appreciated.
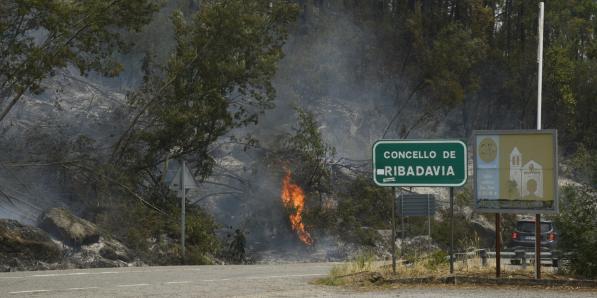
point(529, 227)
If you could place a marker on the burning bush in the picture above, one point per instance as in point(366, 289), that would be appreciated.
point(306, 183)
point(293, 198)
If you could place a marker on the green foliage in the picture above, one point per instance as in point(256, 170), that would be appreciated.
point(364, 261)
point(577, 226)
point(440, 231)
point(38, 37)
point(477, 56)
point(436, 260)
point(363, 208)
point(306, 154)
point(218, 77)
point(466, 233)
point(451, 59)
point(583, 165)
point(200, 231)
point(464, 197)
point(308, 157)
point(155, 237)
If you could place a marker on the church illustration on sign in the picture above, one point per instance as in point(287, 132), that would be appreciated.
point(526, 181)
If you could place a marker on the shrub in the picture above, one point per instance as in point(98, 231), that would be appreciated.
point(363, 208)
point(436, 260)
point(577, 225)
point(155, 237)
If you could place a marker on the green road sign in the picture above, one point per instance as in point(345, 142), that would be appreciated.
point(419, 163)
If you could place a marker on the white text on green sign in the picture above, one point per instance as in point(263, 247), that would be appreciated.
point(419, 163)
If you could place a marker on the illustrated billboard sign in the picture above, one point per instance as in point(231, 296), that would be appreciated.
point(516, 171)
point(419, 163)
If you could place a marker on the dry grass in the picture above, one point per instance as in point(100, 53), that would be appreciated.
point(365, 269)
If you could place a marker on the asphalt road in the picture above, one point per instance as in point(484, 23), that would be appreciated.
point(288, 280)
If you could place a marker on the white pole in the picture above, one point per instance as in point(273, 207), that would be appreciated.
point(183, 211)
point(540, 62)
point(539, 87)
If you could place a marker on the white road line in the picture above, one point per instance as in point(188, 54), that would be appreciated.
point(132, 271)
point(264, 277)
point(60, 274)
point(133, 285)
point(29, 292)
point(282, 276)
point(78, 289)
point(170, 282)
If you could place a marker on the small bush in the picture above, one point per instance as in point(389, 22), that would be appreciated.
point(363, 208)
point(436, 260)
point(155, 237)
point(577, 225)
point(364, 261)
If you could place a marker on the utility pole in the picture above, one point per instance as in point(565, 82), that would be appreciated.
point(539, 93)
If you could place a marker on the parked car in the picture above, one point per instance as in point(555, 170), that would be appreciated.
point(523, 235)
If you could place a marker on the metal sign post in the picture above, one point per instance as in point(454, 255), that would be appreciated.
point(429, 222)
point(182, 181)
point(402, 229)
point(498, 245)
point(183, 204)
point(451, 230)
point(394, 230)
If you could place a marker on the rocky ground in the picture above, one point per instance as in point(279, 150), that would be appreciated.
point(61, 241)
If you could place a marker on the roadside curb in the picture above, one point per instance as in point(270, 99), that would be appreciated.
point(578, 283)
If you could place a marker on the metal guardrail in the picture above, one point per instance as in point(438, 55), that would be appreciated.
point(518, 256)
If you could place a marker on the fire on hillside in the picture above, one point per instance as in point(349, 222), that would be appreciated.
point(293, 198)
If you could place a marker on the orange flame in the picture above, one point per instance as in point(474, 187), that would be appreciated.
point(293, 198)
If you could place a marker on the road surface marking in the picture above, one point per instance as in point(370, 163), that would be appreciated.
point(60, 274)
point(29, 292)
point(264, 277)
point(92, 273)
point(145, 284)
point(78, 289)
point(282, 276)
